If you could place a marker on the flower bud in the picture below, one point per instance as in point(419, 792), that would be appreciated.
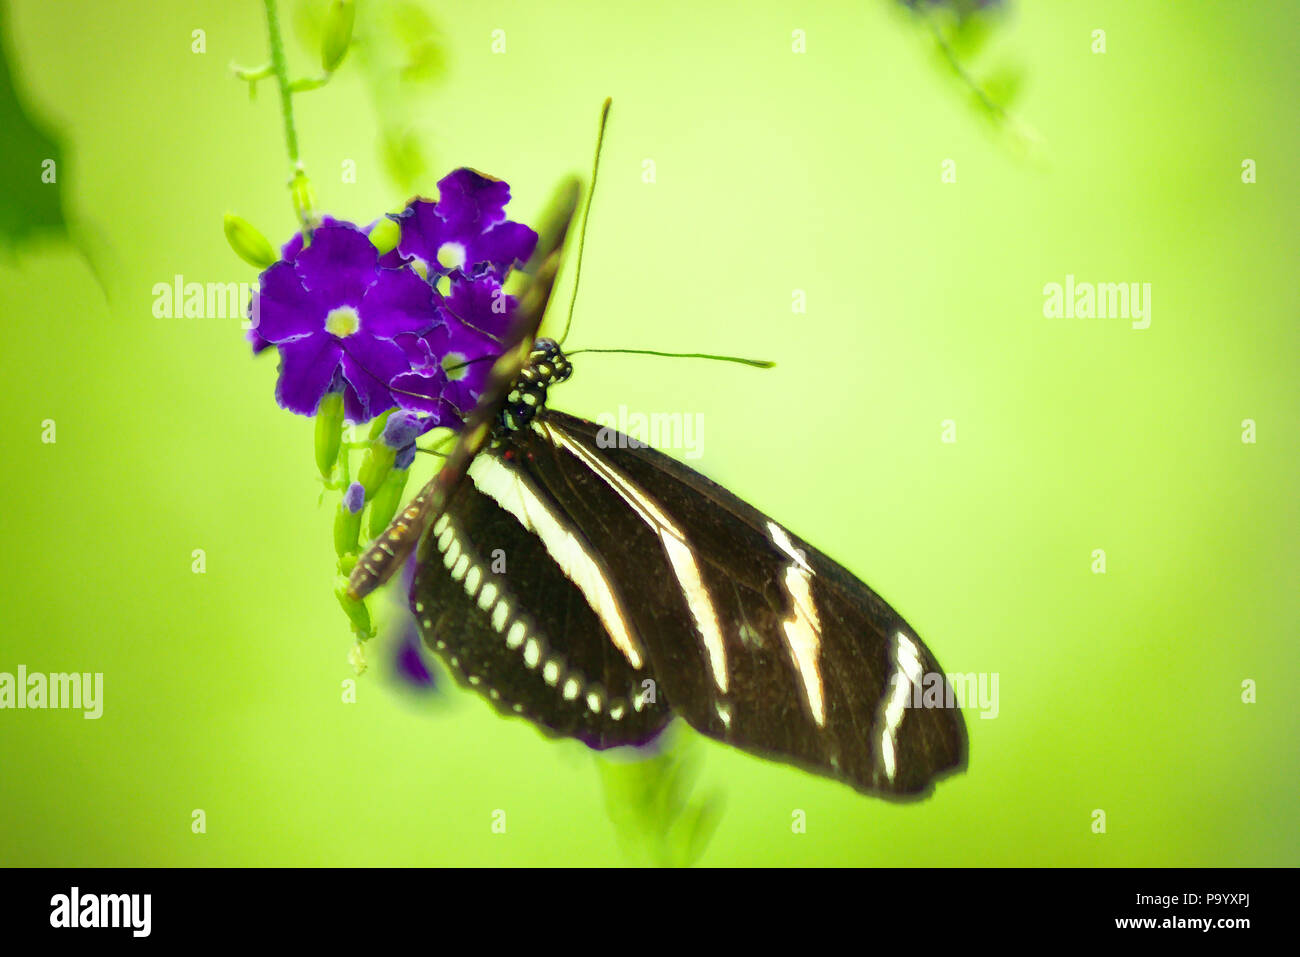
point(375, 466)
point(347, 521)
point(379, 423)
point(386, 501)
point(329, 431)
point(356, 611)
point(249, 245)
point(337, 34)
point(385, 234)
point(400, 432)
point(304, 197)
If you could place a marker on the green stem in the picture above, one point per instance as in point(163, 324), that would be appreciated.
point(281, 71)
point(297, 181)
point(993, 108)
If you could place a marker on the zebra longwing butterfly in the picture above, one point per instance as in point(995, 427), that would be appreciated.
point(598, 588)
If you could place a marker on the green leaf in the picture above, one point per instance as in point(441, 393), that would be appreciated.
point(31, 164)
point(649, 801)
point(1003, 85)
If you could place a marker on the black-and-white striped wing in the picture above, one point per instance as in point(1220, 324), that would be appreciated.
point(629, 588)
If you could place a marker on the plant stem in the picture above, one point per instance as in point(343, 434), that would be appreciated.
point(994, 109)
point(281, 71)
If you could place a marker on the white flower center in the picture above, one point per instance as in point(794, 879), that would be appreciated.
point(451, 256)
point(342, 321)
point(453, 363)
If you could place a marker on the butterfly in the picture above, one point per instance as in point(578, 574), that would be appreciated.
point(598, 588)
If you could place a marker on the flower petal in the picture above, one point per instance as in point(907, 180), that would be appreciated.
point(398, 302)
point(471, 355)
point(469, 201)
point(284, 309)
point(481, 305)
point(417, 351)
point(423, 231)
point(369, 365)
point(423, 392)
point(290, 250)
point(307, 368)
point(339, 265)
point(505, 246)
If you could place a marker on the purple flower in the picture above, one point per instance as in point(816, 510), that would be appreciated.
point(466, 229)
point(409, 662)
point(355, 497)
point(451, 361)
point(400, 433)
point(333, 312)
point(289, 252)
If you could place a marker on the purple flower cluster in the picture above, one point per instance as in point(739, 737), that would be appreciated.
point(380, 328)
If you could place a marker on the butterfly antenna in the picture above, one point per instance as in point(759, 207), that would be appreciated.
point(586, 215)
point(755, 363)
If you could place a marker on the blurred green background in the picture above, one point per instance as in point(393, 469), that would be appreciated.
point(775, 171)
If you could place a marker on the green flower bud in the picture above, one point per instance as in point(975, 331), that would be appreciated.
point(329, 431)
point(304, 197)
point(347, 526)
point(386, 501)
point(356, 611)
point(385, 235)
point(377, 426)
point(337, 34)
point(375, 467)
point(249, 245)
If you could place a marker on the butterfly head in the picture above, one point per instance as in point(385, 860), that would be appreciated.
point(546, 365)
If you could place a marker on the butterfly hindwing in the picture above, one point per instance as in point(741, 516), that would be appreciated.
point(509, 623)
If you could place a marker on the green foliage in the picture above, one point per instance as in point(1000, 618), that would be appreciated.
point(30, 164)
point(399, 52)
point(962, 34)
point(649, 800)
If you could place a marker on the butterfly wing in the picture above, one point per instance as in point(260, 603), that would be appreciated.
point(511, 624)
point(742, 628)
